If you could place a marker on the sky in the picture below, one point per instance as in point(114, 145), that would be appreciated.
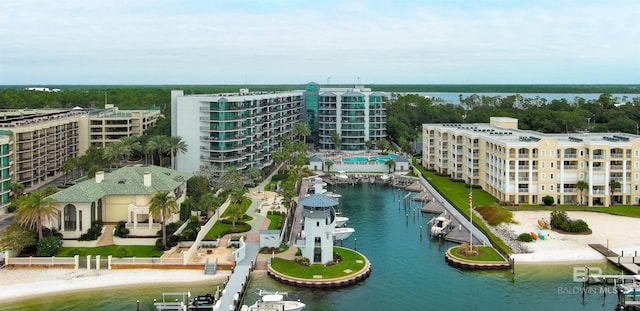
point(328, 42)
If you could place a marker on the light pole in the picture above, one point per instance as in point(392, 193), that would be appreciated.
point(328, 80)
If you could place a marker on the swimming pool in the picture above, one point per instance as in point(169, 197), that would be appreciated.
point(355, 159)
point(379, 159)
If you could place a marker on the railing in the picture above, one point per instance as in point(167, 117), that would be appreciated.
point(42, 261)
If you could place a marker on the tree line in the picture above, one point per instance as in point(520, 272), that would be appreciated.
point(406, 114)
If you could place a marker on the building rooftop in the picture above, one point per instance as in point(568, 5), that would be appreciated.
point(124, 181)
point(318, 200)
point(525, 137)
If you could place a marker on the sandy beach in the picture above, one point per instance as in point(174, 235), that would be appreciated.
point(19, 283)
point(622, 234)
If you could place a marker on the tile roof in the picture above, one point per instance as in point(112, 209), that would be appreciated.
point(124, 181)
point(318, 200)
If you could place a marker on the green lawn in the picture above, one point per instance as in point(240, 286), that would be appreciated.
point(220, 229)
point(293, 269)
point(622, 210)
point(458, 194)
point(488, 254)
point(276, 221)
point(244, 206)
point(104, 251)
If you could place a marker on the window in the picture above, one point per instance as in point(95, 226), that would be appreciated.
point(551, 187)
point(542, 176)
point(637, 152)
point(551, 176)
point(317, 224)
point(542, 164)
point(551, 164)
point(542, 187)
point(544, 153)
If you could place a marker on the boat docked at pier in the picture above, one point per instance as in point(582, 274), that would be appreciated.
point(274, 301)
point(342, 233)
point(341, 221)
point(440, 225)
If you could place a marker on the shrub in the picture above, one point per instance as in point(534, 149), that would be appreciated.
point(279, 176)
point(121, 230)
point(548, 200)
point(560, 221)
point(494, 215)
point(464, 250)
point(525, 237)
point(122, 252)
point(92, 234)
point(49, 246)
point(304, 261)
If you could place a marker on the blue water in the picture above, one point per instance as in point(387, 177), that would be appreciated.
point(455, 99)
point(379, 159)
point(408, 273)
point(355, 159)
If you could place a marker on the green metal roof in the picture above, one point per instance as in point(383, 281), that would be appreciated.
point(124, 181)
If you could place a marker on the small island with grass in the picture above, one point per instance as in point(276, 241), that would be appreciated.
point(348, 267)
point(476, 257)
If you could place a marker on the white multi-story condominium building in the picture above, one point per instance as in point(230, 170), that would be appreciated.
point(234, 129)
point(5, 169)
point(110, 124)
point(356, 114)
point(524, 166)
point(41, 139)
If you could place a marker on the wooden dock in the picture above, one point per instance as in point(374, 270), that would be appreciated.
point(603, 250)
point(629, 263)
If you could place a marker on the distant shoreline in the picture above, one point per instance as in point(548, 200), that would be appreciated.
point(442, 88)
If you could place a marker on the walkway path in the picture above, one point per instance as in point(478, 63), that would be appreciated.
point(107, 236)
point(240, 275)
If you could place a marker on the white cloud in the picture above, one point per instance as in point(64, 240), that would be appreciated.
point(283, 42)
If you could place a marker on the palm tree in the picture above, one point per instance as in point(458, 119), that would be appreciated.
point(384, 145)
point(68, 166)
point(390, 164)
point(237, 195)
point(368, 144)
point(34, 209)
point(159, 144)
point(613, 185)
point(176, 145)
point(206, 203)
point(134, 145)
point(581, 185)
point(335, 137)
point(302, 129)
point(329, 164)
point(163, 205)
point(116, 152)
point(17, 189)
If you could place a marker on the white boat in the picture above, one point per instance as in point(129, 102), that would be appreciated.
point(341, 221)
point(343, 233)
point(631, 291)
point(384, 177)
point(332, 195)
point(439, 225)
point(274, 302)
point(342, 175)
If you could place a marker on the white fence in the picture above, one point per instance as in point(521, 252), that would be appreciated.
point(186, 256)
point(43, 261)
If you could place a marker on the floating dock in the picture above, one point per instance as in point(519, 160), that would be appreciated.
point(630, 263)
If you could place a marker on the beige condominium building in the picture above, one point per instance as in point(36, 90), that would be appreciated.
point(522, 166)
point(110, 124)
point(40, 141)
